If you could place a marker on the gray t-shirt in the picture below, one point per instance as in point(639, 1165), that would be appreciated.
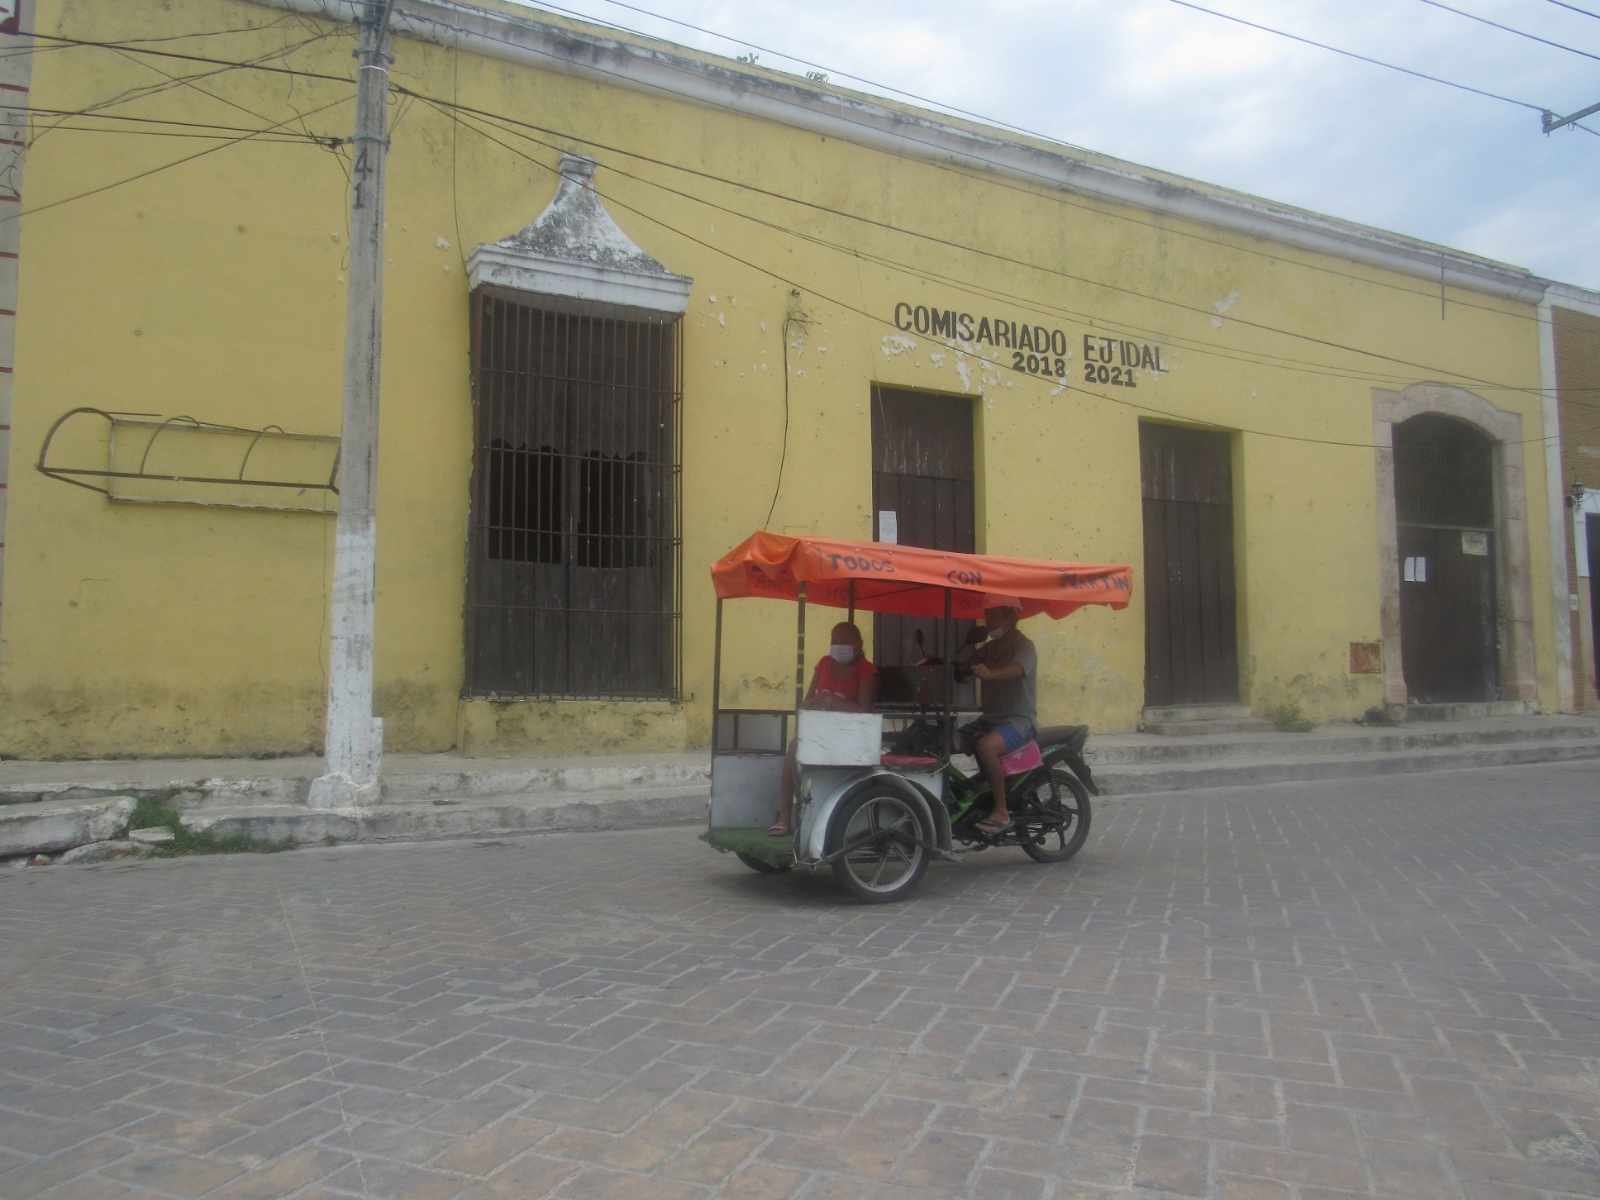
point(1010, 699)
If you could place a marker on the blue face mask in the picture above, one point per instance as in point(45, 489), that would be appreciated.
point(842, 654)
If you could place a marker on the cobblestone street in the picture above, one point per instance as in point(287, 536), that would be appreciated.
point(1371, 988)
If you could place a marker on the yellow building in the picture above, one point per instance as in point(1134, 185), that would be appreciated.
point(641, 301)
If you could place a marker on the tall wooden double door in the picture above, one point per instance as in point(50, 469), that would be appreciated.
point(1444, 511)
point(923, 477)
point(1191, 638)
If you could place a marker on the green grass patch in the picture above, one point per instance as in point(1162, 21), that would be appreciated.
point(1287, 718)
point(154, 810)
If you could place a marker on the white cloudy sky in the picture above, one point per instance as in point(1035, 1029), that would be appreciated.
point(1165, 86)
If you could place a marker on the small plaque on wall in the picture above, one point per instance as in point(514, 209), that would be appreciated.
point(1366, 658)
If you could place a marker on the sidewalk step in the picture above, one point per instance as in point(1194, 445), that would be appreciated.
point(1138, 749)
point(1129, 780)
point(470, 817)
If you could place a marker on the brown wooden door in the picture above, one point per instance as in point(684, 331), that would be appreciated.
point(1190, 618)
point(1444, 510)
point(922, 473)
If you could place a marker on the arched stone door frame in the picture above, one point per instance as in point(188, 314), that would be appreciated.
point(1514, 582)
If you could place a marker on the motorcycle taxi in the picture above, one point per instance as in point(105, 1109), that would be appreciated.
point(879, 795)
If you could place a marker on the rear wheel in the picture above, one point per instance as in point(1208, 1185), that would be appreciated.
point(887, 843)
point(759, 864)
point(1053, 816)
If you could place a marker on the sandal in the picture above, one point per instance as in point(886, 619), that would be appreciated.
point(993, 828)
point(777, 829)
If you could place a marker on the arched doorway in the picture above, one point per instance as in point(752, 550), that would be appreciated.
point(1444, 490)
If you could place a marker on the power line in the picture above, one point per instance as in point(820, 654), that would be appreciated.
point(1052, 183)
point(1111, 211)
point(876, 319)
point(124, 118)
point(165, 166)
point(1320, 368)
point(928, 275)
point(1575, 8)
point(1376, 62)
point(805, 62)
point(1096, 283)
point(1532, 37)
point(219, 62)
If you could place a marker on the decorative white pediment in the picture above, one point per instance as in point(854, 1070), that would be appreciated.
point(576, 251)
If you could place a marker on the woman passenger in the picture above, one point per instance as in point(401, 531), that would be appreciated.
point(843, 682)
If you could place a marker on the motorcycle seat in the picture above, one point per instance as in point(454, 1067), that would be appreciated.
point(1071, 736)
point(909, 760)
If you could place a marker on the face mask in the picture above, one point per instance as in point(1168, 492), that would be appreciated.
point(997, 631)
point(842, 654)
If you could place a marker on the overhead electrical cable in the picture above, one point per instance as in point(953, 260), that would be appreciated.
point(1052, 308)
point(1052, 183)
point(1268, 328)
point(884, 321)
point(168, 166)
point(220, 62)
point(1097, 283)
point(805, 62)
point(126, 119)
point(1376, 62)
point(223, 67)
point(1575, 8)
point(1532, 37)
point(1110, 209)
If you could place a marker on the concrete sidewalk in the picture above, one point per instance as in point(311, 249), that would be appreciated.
point(434, 796)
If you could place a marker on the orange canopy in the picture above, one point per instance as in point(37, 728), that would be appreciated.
point(909, 579)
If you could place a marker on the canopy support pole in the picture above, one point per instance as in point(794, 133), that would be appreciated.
point(716, 683)
point(800, 656)
point(852, 617)
point(949, 640)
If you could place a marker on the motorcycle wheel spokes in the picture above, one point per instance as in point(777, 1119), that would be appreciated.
point(1053, 818)
point(888, 857)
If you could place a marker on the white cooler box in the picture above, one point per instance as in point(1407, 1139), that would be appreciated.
point(838, 739)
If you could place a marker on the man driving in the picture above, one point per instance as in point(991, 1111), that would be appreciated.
point(1008, 665)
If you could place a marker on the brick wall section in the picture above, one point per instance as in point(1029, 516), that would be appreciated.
point(1577, 338)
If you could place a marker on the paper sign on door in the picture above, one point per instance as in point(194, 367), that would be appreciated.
point(888, 526)
point(1415, 570)
point(1474, 543)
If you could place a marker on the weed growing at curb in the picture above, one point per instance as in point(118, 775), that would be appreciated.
point(1287, 718)
point(151, 812)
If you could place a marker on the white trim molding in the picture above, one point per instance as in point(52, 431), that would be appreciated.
point(575, 250)
point(1555, 499)
point(664, 69)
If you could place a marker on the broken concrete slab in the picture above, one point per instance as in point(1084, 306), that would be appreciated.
point(155, 835)
point(96, 852)
point(53, 826)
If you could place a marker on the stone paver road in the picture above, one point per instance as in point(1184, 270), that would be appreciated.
point(1385, 988)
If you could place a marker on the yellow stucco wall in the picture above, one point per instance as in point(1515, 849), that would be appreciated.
point(215, 289)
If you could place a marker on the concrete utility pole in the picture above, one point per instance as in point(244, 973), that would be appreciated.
point(354, 738)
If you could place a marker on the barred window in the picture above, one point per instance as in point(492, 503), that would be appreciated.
point(573, 571)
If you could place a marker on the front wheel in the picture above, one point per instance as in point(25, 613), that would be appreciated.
point(1053, 817)
point(885, 846)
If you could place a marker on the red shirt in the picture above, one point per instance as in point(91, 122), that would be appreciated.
point(845, 687)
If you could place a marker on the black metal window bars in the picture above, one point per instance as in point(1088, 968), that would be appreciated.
point(574, 574)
